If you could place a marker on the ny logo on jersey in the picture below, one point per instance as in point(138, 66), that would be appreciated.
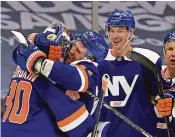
point(113, 87)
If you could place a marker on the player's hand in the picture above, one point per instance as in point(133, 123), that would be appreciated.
point(48, 43)
point(26, 57)
point(165, 106)
point(51, 40)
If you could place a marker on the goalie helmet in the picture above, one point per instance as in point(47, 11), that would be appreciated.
point(95, 43)
point(120, 18)
point(61, 32)
point(169, 36)
point(55, 34)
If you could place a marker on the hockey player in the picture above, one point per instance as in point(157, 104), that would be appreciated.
point(166, 106)
point(35, 107)
point(132, 86)
point(85, 47)
point(84, 73)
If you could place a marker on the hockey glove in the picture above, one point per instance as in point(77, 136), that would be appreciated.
point(48, 43)
point(165, 105)
point(26, 57)
point(52, 40)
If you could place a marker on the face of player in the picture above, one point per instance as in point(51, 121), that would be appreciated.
point(170, 53)
point(77, 52)
point(118, 37)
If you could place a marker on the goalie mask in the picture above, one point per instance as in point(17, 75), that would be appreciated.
point(55, 34)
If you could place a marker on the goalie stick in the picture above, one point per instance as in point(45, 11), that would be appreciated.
point(120, 115)
point(105, 79)
point(151, 66)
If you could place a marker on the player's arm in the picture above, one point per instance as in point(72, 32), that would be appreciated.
point(78, 77)
point(71, 116)
point(65, 110)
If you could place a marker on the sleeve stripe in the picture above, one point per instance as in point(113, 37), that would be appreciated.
point(33, 58)
point(84, 78)
point(75, 117)
point(75, 123)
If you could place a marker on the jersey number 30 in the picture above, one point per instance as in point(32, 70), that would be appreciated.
point(14, 112)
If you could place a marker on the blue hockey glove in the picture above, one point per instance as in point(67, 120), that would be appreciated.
point(52, 41)
point(26, 57)
point(44, 40)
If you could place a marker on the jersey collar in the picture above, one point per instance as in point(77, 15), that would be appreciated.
point(110, 57)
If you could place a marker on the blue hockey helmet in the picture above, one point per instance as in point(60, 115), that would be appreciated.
point(121, 18)
point(169, 36)
point(95, 43)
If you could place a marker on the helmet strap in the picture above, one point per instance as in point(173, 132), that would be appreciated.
point(127, 41)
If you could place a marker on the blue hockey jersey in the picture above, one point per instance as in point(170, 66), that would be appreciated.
point(35, 107)
point(130, 89)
